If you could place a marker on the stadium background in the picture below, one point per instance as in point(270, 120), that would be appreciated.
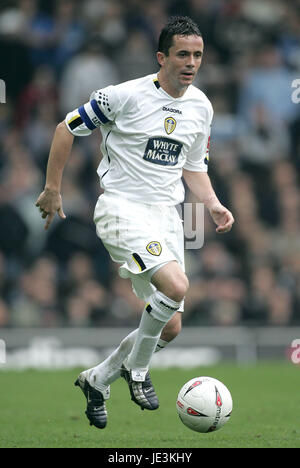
point(52, 55)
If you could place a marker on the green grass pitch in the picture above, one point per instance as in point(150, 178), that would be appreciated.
point(43, 409)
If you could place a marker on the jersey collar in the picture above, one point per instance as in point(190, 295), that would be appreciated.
point(156, 82)
point(158, 86)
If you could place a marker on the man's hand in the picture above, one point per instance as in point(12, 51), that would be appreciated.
point(50, 202)
point(200, 185)
point(222, 217)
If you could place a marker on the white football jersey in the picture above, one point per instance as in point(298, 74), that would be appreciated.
point(148, 137)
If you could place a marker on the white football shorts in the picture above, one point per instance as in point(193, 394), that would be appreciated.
point(140, 237)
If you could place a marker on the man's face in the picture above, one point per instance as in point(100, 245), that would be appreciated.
point(182, 64)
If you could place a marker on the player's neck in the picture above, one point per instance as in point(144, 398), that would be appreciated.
point(169, 87)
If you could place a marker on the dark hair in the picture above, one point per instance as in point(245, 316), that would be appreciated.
point(182, 25)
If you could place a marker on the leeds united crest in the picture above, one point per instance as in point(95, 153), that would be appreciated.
point(170, 124)
point(154, 248)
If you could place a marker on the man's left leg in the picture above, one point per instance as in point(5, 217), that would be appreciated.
point(108, 371)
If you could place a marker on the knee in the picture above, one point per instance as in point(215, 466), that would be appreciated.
point(177, 288)
point(171, 281)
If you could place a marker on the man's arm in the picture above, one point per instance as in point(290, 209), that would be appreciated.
point(200, 185)
point(50, 200)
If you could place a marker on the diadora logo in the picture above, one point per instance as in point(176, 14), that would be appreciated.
point(173, 111)
point(163, 151)
point(168, 306)
point(170, 125)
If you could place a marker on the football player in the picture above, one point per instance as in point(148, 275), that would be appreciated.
point(155, 131)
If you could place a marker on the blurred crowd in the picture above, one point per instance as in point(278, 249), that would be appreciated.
point(53, 54)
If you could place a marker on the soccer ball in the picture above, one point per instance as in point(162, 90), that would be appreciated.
point(204, 404)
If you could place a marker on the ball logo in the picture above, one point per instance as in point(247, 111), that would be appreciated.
point(195, 384)
point(218, 398)
point(219, 403)
point(170, 124)
point(193, 412)
point(154, 248)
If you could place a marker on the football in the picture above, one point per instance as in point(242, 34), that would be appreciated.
point(204, 404)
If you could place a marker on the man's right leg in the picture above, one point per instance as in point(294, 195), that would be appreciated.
point(171, 284)
point(101, 376)
point(109, 370)
point(95, 382)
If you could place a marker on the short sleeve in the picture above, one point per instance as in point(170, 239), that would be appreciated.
point(198, 156)
point(99, 110)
